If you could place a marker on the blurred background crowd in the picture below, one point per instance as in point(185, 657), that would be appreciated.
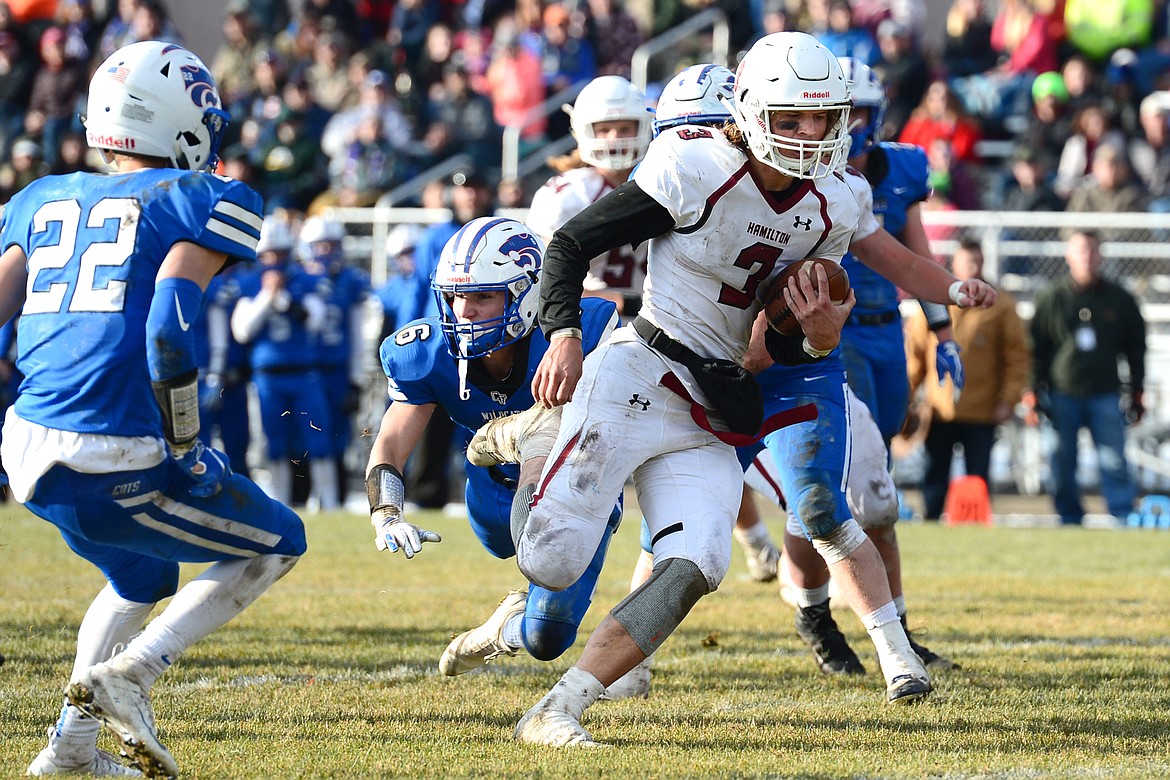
point(1020, 104)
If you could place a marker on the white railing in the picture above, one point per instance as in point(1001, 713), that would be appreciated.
point(712, 18)
point(510, 162)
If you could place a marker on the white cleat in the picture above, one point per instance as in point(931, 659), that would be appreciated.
point(472, 649)
point(634, 684)
point(108, 694)
point(555, 720)
point(516, 438)
point(554, 728)
point(763, 562)
point(98, 764)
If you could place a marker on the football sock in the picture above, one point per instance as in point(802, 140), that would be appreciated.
point(810, 597)
point(514, 632)
point(200, 607)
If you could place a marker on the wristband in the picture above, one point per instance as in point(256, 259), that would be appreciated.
point(565, 333)
point(385, 490)
point(178, 399)
point(631, 304)
point(960, 298)
point(813, 352)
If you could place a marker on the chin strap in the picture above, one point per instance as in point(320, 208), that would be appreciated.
point(464, 343)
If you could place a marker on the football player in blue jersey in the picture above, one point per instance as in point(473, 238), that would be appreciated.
point(341, 347)
point(280, 314)
point(475, 362)
point(872, 342)
point(108, 274)
point(875, 363)
point(223, 369)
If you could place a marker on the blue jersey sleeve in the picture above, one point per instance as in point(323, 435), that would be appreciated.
point(217, 213)
point(409, 357)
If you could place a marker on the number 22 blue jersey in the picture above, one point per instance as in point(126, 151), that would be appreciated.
point(94, 244)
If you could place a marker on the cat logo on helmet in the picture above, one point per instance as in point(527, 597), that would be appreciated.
point(159, 100)
point(485, 255)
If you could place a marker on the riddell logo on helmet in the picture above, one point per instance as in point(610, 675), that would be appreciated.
point(815, 95)
point(110, 140)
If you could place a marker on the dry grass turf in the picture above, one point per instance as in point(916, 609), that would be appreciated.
point(1064, 638)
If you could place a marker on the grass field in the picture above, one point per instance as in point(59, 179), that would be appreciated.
point(1064, 637)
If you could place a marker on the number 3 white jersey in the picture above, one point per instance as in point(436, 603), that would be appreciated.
point(731, 237)
point(621, 269)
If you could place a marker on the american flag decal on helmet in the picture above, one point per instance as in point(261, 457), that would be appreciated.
point(118, 73)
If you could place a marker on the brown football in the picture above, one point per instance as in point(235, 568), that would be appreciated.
point(780, 317)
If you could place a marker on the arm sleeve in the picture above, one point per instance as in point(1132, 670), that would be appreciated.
point(170, 342)
point(625, 216)
point(250, 315)
point(1135, 348)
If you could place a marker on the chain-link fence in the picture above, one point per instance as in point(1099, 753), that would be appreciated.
point(1022, 251)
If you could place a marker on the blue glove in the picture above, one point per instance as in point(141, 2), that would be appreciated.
point(947, 362)
point(208, 467)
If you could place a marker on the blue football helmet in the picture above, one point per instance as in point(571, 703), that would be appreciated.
point(867, 91)
point(486, 254)
point(696, 96)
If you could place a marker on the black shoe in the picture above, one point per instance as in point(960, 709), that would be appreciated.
point(816, 626)
point(930, 659)
point(907, 689)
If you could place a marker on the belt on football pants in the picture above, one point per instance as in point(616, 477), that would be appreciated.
point(885, 318)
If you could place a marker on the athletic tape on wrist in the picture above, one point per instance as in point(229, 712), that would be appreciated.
point(385, 490)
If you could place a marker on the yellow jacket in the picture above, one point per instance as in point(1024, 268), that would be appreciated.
point(996, 361)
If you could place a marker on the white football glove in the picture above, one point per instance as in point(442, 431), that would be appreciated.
point(393, 533)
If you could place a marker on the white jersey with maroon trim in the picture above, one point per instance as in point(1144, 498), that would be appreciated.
point(867, 223)
point(705, 278)
point(621, 269)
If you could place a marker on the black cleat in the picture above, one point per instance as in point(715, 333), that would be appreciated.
point(907, 689)
point(816, 626)
point(930, 659)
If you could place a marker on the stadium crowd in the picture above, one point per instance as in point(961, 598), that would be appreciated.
point(335, 102)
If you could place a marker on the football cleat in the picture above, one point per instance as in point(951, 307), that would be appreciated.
point(907, 689)
point(634, 684)
point(98, 764)
point(930, 659)
point(516, 438)
point(763, 562)
point(107, 693)
point(554, 728)
point(472, 649)
point(555, 720)
point(816, 627)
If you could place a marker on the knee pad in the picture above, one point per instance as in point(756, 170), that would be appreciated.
point(840, 544)
point(652, 612)
point(546, 639)
point(817, 511)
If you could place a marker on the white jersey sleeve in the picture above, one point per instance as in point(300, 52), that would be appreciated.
point(867, 223)
point(623, 268)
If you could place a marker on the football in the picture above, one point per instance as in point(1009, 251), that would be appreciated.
point(780, 317)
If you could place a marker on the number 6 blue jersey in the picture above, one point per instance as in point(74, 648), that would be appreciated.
point(94, 244)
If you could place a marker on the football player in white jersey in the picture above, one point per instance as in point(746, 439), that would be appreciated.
point(725, 211)
point(611, 124)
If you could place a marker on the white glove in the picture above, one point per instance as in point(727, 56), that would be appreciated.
point(392, 533)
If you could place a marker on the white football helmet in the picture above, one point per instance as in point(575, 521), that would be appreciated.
point(489, 253)
point(697, 96)
point(156, 99)
point(276, 236)
point(321, 242)
point(866, 91)
point(605, 99)
point(792, 71)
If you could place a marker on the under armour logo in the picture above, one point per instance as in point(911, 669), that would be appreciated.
point(499, 397)
point(637, 400)
point(797, 222)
